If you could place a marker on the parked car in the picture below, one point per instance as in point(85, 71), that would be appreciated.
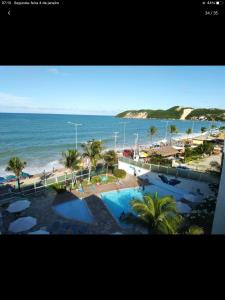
point(128, 153)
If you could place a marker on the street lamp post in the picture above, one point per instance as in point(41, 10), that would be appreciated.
point(136, 142)
point(115, 136)
point(193, 127)
point(76, 125)
point(167, 122)
point(124, 133)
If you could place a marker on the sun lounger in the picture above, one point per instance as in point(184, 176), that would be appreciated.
point(199, 192)
point(104, 178)
point(119, 182)
point(164, 178)
point(174, 182)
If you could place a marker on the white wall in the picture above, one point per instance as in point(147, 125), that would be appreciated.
point(130, 169)
point(185, 186)
point(219, 217)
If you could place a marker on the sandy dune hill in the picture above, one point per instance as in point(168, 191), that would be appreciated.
point(140, 115)
point(185, 113)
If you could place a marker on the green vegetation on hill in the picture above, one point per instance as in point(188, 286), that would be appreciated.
point(174, 112)
point(212, 114)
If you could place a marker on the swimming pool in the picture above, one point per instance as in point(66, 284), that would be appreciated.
point(118, 201)
point(76, 209)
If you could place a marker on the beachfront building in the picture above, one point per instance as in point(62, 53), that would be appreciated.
point(219, 217)
point(165, 151)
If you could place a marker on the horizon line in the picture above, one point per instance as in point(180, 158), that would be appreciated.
point(43, 113)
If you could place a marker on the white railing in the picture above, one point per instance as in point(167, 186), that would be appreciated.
point(184, 173)
point(41, 185)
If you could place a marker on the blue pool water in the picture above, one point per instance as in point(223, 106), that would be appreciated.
point(118, 201)
point(75, 209)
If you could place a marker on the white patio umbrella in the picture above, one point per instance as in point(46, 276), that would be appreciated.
point(40, 231)
point(18, 206)
point(190, 197)
point(22, 224)
point(183, 208)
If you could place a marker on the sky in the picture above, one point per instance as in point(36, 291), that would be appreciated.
point(108, 90)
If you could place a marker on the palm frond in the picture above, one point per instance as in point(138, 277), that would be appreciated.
point(130, 218)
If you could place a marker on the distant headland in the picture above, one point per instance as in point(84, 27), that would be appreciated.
point(176, 112)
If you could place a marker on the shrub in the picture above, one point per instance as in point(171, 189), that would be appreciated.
point(119, 173)
point(95, 179)
point(202, 215)
point(158, 160)
point(111, 178)
point(59, 188)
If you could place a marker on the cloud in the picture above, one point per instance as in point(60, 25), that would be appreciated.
point(12, 100)
point(19, 104)
point(56, 71)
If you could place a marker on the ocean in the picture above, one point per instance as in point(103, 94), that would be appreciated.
point(40, 139)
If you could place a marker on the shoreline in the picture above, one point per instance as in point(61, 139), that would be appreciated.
point(59, 169)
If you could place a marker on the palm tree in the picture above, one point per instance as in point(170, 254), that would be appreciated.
point(92, 151)
point(195, 230)
point(110, 158)
point(189, 131)
point(16, 165)
point(203, 129)
point(157, 215)
point(72, 160)
point(172, 129)
point(152, 131)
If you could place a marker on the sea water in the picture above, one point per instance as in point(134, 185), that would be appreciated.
point(40, 139)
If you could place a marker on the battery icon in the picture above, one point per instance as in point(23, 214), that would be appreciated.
point(219, 2)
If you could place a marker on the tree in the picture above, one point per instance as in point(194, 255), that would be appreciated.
point(207, 148)
point(157, 215)
point(195, 230)
point(16, 165)
point(152, 131)
point(172, 129)
point(189, 131)
point(202, 215)
point(72, 161)
point(110, 158)
point(93, 152)
point(203, 129)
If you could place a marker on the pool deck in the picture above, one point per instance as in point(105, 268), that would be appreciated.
point(104, 222)
point(41, 208)
point(129, 181)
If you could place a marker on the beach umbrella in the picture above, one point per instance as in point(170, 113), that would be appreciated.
point(25, 175)
point(40, 231)
point(190, 197)
point(183, 208)
point(2, 179)
point(22, 224)
point(10, 177)
point(18, 206)
point(143, 154)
